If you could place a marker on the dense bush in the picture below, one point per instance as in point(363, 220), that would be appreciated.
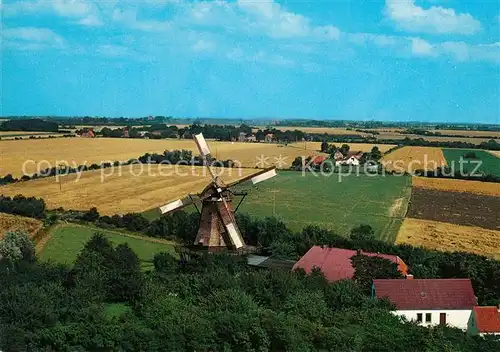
point(200, 302)
point(21, 205)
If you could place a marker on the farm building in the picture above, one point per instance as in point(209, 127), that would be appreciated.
point(125, 133)
point(338, 156)
point(87, 133)
point(429, 301)
point(251, 138)
point(352, 158)
point(318, 160)
point(335, 263)
point(242, 136)
point(268, 138)
point(484, 321)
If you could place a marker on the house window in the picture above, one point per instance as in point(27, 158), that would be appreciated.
point(419, 317)
point(428, 317)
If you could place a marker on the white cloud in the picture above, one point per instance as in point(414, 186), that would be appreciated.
point(114, 51)
point(421, 47)
point(128, 17)
point(91, 21)
point(203, 45)
point(436, 19)
point(31, 38)
point(83, 12)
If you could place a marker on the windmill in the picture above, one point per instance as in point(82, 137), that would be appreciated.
point(217, 228)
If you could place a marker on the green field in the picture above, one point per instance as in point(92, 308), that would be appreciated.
point(490, 163)
point(66, 241)
point(298, 200)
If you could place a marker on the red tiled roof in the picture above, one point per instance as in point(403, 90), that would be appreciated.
point(318, 159)
point(335, 263)
point(427, 293)
point(487, 319)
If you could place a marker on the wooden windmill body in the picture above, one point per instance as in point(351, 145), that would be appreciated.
point(217, 228)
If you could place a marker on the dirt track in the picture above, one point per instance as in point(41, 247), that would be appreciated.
point(455, 208)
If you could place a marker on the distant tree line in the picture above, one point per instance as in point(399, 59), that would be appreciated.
point(35, 125)
point(424, 132)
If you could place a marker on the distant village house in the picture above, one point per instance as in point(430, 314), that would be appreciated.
point(87, 133)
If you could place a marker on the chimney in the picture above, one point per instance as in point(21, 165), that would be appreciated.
point(409, 277)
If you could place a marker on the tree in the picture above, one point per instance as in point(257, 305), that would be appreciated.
point(91, 215)
point(344, 149)
point(367, 268)
point(125, 278)
point(16, 247)
point(165, 263)
point(324, 147)
point(362, 233)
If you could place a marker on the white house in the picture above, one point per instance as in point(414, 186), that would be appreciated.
point(484, 321)
point(429, 301)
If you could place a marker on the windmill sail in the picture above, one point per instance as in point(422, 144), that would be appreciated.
point(257, 177)
point(177, 204)
point(234, 238)
point(202, 145)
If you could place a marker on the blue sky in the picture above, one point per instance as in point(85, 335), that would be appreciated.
point(406, 60)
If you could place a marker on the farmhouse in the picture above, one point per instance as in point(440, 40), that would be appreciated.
point(352, 158)
point(338, 156)
point(268, 138)
point(429, 301)
point(88, 133)
point(335, 263)
point(318, 160)
point(484, 321)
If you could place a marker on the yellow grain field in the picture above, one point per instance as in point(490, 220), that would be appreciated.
point(358, 147)
point(441, 184)
point(410, 159)
point(41, 154)
point(449, 237)
point(495, 152)
point(136, 188)
point(10, 223)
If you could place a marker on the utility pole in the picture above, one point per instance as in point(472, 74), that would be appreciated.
point(274, 191)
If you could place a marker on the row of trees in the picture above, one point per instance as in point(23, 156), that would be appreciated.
point(37, 125)
point(424, 132)
point(21, 205)
point(198, 302)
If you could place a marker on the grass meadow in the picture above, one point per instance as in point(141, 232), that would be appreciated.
point(490, 163)
point(298, 200)
point(66, 241)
